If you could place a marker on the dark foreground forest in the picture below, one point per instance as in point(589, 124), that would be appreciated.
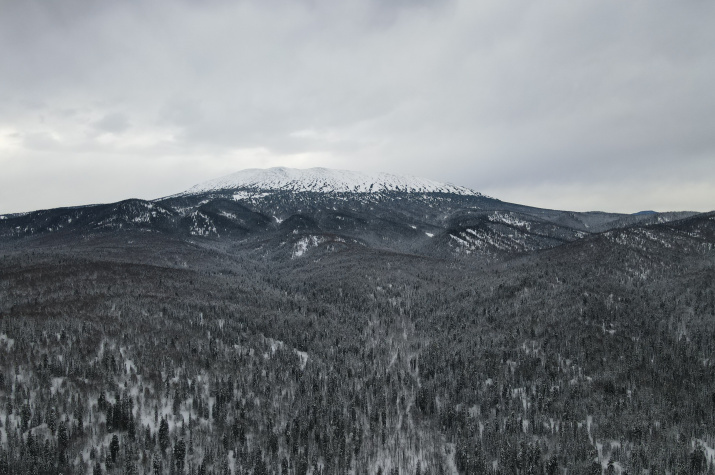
point(133, 353)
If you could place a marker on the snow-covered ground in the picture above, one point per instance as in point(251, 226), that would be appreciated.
point(6, 342)
point(507, 218)
point(324, 180)
point(302, 246)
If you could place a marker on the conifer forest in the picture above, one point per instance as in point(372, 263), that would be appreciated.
point(299, 352)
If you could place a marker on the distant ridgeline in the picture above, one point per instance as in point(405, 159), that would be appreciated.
point(333, 209)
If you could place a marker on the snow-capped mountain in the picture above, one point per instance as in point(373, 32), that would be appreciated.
point(325, 180)
point(288, 211)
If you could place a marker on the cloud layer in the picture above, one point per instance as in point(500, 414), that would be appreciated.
point(599, 104)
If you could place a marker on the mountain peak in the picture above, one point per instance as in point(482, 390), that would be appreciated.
point(325, 180)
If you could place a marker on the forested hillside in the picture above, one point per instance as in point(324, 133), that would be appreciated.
point(128, 353)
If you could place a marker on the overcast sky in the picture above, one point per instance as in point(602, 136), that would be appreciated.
point(582, 105)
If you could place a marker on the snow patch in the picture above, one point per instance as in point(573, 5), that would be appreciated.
point(505, 218)
point(303, 358)
point(305, 243)
point(245, 195)
point(7, 342)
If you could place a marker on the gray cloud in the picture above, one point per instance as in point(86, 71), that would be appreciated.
point(115, 123)
point(579, 105)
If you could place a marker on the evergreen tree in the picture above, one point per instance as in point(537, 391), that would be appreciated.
point(157, 465)
point(114, 448)
point(179, 455)
point(164, 435)
point(62, 438)
point(698, 461)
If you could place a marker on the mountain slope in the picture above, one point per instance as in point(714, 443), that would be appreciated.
point(348, 332)
point(324, 180)
point(266, 209)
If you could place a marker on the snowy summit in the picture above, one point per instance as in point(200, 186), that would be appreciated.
point(325, 180)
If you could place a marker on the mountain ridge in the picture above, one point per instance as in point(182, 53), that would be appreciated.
point(324, 180)
point(277, 207)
